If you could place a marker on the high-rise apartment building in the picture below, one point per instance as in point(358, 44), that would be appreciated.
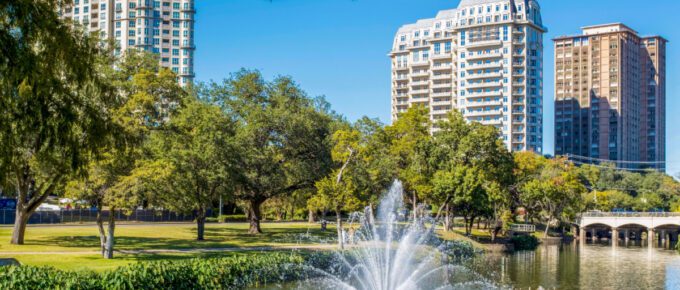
point(610, 97)
point(485, 59)
point(164, 27)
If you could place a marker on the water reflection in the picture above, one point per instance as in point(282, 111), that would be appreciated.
point(592, 266)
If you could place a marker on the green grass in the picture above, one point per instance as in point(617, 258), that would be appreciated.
point(47, 245)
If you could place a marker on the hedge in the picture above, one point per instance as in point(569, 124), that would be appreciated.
point(523, 242)
point(218, 273)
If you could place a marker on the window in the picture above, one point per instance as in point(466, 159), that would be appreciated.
point(437, 48)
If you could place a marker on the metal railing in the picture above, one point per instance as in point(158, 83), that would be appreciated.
point(629, 214)
point(87, 215)
point(523, 228)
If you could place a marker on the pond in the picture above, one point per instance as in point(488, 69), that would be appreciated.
point(593, 266)
point(570, 266)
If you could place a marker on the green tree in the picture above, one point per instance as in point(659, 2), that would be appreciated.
point(410, 146)
point(472, 150)
point(146, 97)
point(557, 191)
point(52, 103)
point(282, 136)
point(647, 202)
point(200, 153)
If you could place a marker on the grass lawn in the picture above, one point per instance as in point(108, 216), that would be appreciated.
point(75, 247)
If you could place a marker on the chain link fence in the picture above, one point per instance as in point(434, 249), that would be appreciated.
point(87, 215)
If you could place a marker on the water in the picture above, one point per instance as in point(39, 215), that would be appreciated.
point(384, 254)
point(571, 266)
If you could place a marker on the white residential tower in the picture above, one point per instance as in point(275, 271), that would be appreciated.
point(485, 59)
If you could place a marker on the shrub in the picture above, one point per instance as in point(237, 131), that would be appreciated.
point(522, 243)
point(220, 273)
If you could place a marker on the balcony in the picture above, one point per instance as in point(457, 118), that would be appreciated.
point(420, 73)
point(442, 103)
point(442, 66)
point(420, 63)
point(441, 94)
point(470, 104)
point(484, 94)
point(442, 77)
point(442, 85)
point(483, 56)
point(484, 85)
point(441, 56)
point(420, 83)
point(487, 43)
point(496, 64)
point(484, 113)
point(484, 75)
point(420, 92)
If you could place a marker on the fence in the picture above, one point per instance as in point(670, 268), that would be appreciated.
point(523, 228)
point(87, 215)
point(629, 214)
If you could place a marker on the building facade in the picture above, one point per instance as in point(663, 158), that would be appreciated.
point(164, 27)
point(610, 97)
point(485, 59)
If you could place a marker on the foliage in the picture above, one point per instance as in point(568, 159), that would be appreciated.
point(524, 242)
point(473, 171)
point(53, 104)
point(409, 143)
point(556, 192)
point(223, 273)
point(281, 137)
point(609, 200)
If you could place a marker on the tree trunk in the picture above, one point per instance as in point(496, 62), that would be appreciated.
point(415, 207)
point(108, 251)
point(311, 218)
point(102, 232)
point(447, 219)
point(338, 219)
point(547, 228)
point(254, 216)
point(200, 224)
point(21, 219)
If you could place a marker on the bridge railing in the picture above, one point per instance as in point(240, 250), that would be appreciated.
point(523, 228)
point(629, 214)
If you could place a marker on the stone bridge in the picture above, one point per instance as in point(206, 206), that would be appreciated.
point(661, 229)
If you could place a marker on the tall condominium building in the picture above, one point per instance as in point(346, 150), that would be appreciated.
point(485, 59)
point(164, 27)
point(610, 97)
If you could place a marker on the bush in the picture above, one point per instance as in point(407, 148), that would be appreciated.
point(220, 273)
point(522, 243)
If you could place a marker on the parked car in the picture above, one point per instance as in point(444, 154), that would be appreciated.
point(48, 207)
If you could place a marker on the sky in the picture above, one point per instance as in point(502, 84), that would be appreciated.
point(338, 48)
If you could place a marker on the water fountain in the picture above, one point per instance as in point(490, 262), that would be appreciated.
point(385, 254)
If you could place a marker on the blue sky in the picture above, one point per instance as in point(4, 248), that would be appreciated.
point(338, 48)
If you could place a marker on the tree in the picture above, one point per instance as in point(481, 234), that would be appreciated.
point(556, 191)
point(471, 156)
point(199, 150)
point(409, 143)
point(52, 106)
point(282, 136)
point(338, 189)
point(146, 97)
point(462, 187)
